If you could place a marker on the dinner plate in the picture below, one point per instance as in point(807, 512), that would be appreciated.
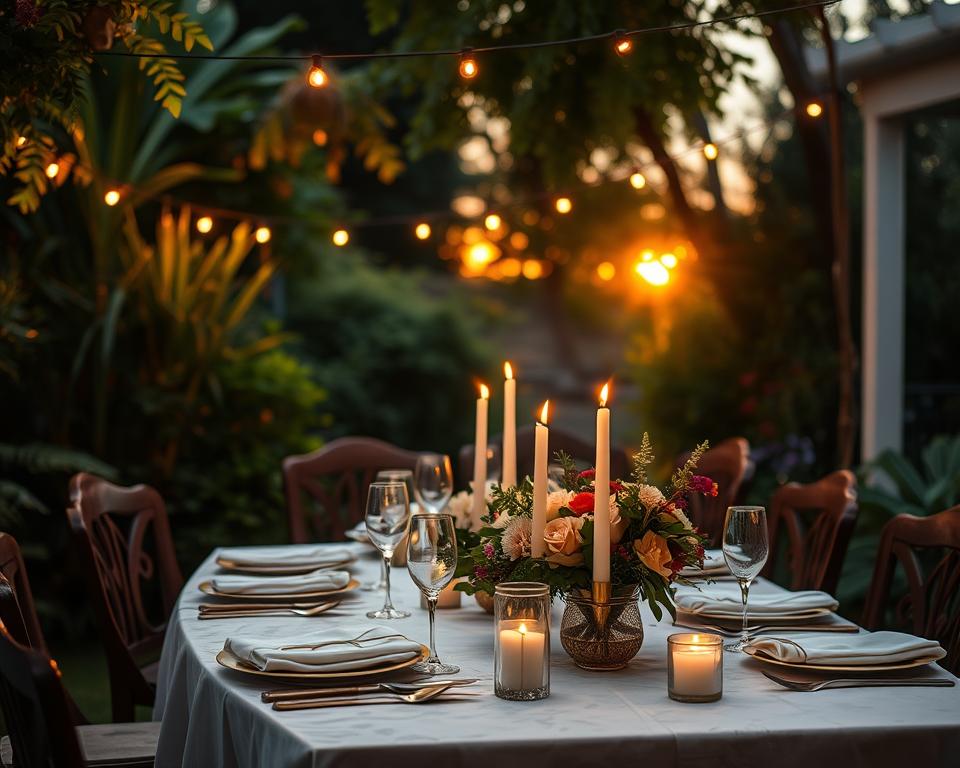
point(358, 534)
point(279, 570)
point(227, 659)
point(810, 613)
point(762, 657)
point(207, 588)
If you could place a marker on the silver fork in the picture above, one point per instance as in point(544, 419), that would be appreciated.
point(859, 682)
point(286, 694)
point(315, 611)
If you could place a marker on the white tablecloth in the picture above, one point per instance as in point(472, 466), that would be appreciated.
point(214, 717)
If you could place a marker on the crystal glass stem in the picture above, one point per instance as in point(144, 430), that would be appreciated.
point(432, 608)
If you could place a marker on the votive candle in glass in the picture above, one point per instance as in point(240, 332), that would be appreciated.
point(521, 648)
point(695, 667)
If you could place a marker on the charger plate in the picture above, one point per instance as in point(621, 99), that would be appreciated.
point(280, 570)
point(207, 588)
point(226, 659)
point(762, 657)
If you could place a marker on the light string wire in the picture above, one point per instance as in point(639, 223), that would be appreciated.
point(450, 52)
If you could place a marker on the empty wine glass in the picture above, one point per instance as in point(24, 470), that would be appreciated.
point(404, 476)
point(432, 561)
point(388, 512)
point(433, 482)
point(745, 548)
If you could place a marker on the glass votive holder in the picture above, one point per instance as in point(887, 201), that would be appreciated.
point(695, 667)
point(521, 646)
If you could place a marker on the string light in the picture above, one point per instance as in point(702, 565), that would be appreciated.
point(492, 222)
point(621, 43)
point(710, 151)
point(320, 137)
point(653, 272)
point(341, 237)
point(204, 224)
point(422, 230)
point(21, 140)
point(532, 269)
point(814, 109)
point(263, 235)
point(606, 271)
point(52, 170)
point(112, 197)
point(638, 180)
point(468, 65)
point(563, 205)
point(668, 260)
point(317, 77)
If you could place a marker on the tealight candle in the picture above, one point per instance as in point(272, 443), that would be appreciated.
point(522, 641)
point(694, 667)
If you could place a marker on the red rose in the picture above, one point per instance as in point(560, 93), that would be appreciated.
point(588, 473)
point(581, 504)
point(615, 486)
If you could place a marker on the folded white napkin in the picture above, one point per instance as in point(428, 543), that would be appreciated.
point(713, 562)
point(725, 598)
point(852, 650)
point(295, 555)
point(339, 650)
point(315, 581)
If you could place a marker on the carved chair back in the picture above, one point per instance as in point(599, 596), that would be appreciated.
point(927, 549)
point(813, 523)
point(35, 707)
point(113, 527)
point(326, 490)
point(18, 613)
point(581, 451)
point(726, 463)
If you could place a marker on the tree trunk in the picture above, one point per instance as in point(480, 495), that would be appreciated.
point(713, 172)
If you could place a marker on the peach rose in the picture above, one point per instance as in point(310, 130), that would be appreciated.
point(654, 553)
point(556, 501)
point(562, 535)
point(618, 523)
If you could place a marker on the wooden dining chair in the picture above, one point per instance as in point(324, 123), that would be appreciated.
point(812, 525)
point(578, 449)
point(927, 550)
point(19, 614)
point(726, 464)
point(114, 528)
point(326, 489)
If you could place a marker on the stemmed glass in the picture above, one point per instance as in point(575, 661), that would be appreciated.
point(745, 548)
point(433, 482)
point(432, 561)
point(404, 476)
point(388, 511)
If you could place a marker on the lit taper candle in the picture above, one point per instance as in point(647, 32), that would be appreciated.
point(601, 494)
point(540, 461)
point(480, 453)
point(509, 478)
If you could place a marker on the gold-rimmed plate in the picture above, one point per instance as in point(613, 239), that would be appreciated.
point(280, 570)
point(762, 657)
point(226, 659)
point(207, 588)
point(767, 618)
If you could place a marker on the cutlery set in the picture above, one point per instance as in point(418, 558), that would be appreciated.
point(858, 682)
point(374, 693)
point(770, 628)
point(246, 610)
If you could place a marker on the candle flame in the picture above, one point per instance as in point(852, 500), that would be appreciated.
point(508, 370)
point(544, 412)
point(484, 392)
point(604, 394)
point(522, 629)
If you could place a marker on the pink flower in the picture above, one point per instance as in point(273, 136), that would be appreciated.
point(480, 572)
point(703, 484)
point(488, 550)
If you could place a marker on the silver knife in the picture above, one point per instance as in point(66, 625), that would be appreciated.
point(287, 694)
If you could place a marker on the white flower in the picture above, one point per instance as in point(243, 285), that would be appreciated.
point(682, 517)
point(503, 521)
point(516, 538)
point(460, 507)
point(650, 496)
point(555, 501)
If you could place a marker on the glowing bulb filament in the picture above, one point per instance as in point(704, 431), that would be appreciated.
point(317, 77)
point(468, 65)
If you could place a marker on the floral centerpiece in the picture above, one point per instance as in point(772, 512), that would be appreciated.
point(651, 538)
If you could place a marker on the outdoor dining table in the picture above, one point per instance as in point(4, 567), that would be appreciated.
point(213, 716)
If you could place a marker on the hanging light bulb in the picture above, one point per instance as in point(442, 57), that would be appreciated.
point(263, 235)
point(710, 151)
point(21, 140)
point(621, 43)
point(341, 237)
point(563, 205)
point(320, 137)
point(52, 170)
point(204, 224)
point(638, 180)
point(111, 197)
point(468, 64)
point(492, 222)
point(422, 230)
point(317, 77)
point(814, 109)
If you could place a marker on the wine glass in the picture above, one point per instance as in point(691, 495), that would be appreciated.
point(388, 511)
point(432, 561)
point(433, 482)
point(745, 548)
point(404, 476)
